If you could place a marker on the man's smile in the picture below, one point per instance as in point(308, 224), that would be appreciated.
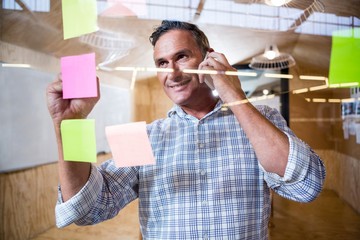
point(182, 83)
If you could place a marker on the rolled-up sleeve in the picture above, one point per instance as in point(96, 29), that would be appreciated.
point(304, 174)
point(108, 190)
point(79, 205)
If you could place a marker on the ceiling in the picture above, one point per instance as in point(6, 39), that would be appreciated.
point(37, 39)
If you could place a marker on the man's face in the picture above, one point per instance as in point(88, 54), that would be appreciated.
point(178, 50)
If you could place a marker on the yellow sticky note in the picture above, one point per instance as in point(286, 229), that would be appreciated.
point(78, 140)
point(129, 144)
point(79, 17)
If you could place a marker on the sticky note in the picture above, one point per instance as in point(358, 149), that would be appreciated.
point(129, 144)
point(79, 17)
point(125, 8)
point(78, 140)
point(345, 57)
point(79, 76)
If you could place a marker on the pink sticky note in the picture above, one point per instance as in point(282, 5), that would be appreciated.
point(125, 8)
point(129, 144)
point(79, 76)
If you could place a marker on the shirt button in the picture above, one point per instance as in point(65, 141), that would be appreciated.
point(205, 237)
point(203, 172)
point(201, 145)
point(204, 203)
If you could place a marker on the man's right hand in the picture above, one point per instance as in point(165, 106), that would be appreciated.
point(61, 109)
point(73, 175)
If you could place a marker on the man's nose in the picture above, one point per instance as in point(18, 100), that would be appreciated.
point(175, 73)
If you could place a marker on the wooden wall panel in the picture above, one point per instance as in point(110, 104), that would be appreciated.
point(342, 176)
point(27, 200)
point(141, 102)
point(321, 128)
point(150, 101)
point(2, 206)
point(161, 104)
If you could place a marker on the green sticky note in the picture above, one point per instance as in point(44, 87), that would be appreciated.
point(78, 139)
point(345, 57)
point(79, 17)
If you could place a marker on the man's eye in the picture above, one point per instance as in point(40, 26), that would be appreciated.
point(182, 56)
point(162, 64)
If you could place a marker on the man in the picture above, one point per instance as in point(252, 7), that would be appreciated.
point(214, 169)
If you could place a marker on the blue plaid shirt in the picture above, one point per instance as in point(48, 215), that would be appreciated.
point(207, 182)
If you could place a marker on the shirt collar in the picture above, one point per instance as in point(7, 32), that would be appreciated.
point(176, 109)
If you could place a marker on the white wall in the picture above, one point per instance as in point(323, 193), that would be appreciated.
point(27, 137)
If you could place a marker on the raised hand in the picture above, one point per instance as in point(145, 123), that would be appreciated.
point(73, 175)
point(228, 87)
point(61, 109)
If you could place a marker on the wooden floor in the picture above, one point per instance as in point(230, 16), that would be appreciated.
point(326, 218)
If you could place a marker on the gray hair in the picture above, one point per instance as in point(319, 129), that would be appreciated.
point(167, 25)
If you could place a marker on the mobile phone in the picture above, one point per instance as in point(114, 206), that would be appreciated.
point(209, 82)
point(208, 79)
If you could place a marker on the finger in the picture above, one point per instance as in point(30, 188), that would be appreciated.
point(214, 64)
point(58, 77)
point(202, 66)
point(201, 78)
point(55, 87)
point(219, 57)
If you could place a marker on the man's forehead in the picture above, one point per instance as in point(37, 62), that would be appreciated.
point(175, 37)
point(174, 42)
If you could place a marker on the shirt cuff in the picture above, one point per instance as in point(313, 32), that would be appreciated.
point(297, 165)
point(80, 204)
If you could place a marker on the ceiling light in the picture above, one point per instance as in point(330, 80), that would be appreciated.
point(16, 65)
point(319, 100)
point(275, 75)
point(125, 68)
point(151, 69)
point(261, 98)
point(276, 3)
point(348, 100)
point(316, 88)
point(337, 85)
point(334, 100)
point(133, 79)
point(351, 84)
point(200, 71)
point(272, 59)
point(271, 52)
point(314, 78)
point(239, 73)
point(303, 90)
